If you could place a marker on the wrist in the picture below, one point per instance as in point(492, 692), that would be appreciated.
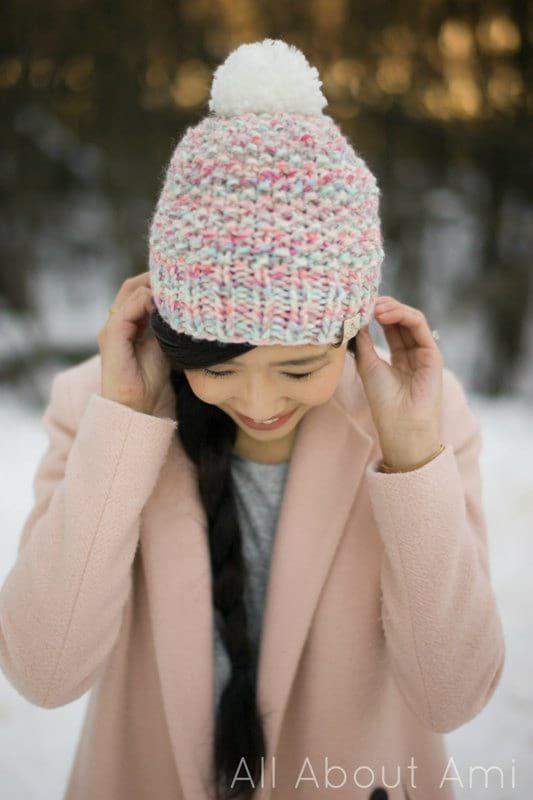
point(133, 406)
point(411, 453)
point(139, 409)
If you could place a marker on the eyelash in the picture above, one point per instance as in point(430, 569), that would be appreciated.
point(300, 377)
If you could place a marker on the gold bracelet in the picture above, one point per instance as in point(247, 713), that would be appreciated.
point(385, 467)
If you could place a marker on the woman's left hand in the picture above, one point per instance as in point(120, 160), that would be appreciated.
point(405, 395)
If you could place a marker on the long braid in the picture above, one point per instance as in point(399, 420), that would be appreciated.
point(207, 435)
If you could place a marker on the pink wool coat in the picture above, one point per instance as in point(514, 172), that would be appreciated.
point(380, 633)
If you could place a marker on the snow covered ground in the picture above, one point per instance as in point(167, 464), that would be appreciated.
point(37, 745)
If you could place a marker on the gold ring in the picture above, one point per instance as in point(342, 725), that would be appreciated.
point(112, 311)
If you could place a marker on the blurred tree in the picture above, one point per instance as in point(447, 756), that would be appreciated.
point(436, 95)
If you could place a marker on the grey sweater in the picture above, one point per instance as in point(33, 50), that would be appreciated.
point(258, 492)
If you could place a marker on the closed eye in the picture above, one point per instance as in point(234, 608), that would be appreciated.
point(297, 377)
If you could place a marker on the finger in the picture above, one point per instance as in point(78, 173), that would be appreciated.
point(411, 323)
point(398, 338)
point(365, 355)
point(395, 339)
point(129, 286)
point(134, 310)
point(401, 344)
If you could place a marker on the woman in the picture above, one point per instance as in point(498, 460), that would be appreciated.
point(274, 577)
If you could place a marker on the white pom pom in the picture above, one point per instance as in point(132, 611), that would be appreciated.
point(266, 76)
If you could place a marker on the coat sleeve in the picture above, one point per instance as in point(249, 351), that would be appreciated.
point(61, 604)
point(441, 624)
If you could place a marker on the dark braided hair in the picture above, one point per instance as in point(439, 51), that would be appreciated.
point(208, 435)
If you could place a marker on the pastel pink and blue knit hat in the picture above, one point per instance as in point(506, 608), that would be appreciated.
point(267, 227)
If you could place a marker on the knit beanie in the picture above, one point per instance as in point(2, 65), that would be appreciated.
point(267, 227)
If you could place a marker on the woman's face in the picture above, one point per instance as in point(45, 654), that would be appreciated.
point(263, 383)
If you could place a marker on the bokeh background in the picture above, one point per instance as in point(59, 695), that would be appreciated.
point(438, 98)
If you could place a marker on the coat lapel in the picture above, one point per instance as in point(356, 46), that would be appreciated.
point(331, 452)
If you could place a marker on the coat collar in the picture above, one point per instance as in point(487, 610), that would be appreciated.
point(331, 451)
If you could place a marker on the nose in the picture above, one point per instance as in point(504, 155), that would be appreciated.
point(260, 402)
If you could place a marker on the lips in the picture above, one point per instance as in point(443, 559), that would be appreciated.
point(265, 421)
point(263, 425)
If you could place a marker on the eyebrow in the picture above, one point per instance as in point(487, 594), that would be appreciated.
point(292, 362)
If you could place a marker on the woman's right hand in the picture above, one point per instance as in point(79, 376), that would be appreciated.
point(134, 368)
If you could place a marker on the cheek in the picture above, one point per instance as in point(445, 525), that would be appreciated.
point(206, 389)
point(320, 390)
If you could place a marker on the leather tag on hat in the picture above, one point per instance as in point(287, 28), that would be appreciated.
point(350, 327)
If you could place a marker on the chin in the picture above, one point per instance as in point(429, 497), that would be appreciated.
point(280, 433)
